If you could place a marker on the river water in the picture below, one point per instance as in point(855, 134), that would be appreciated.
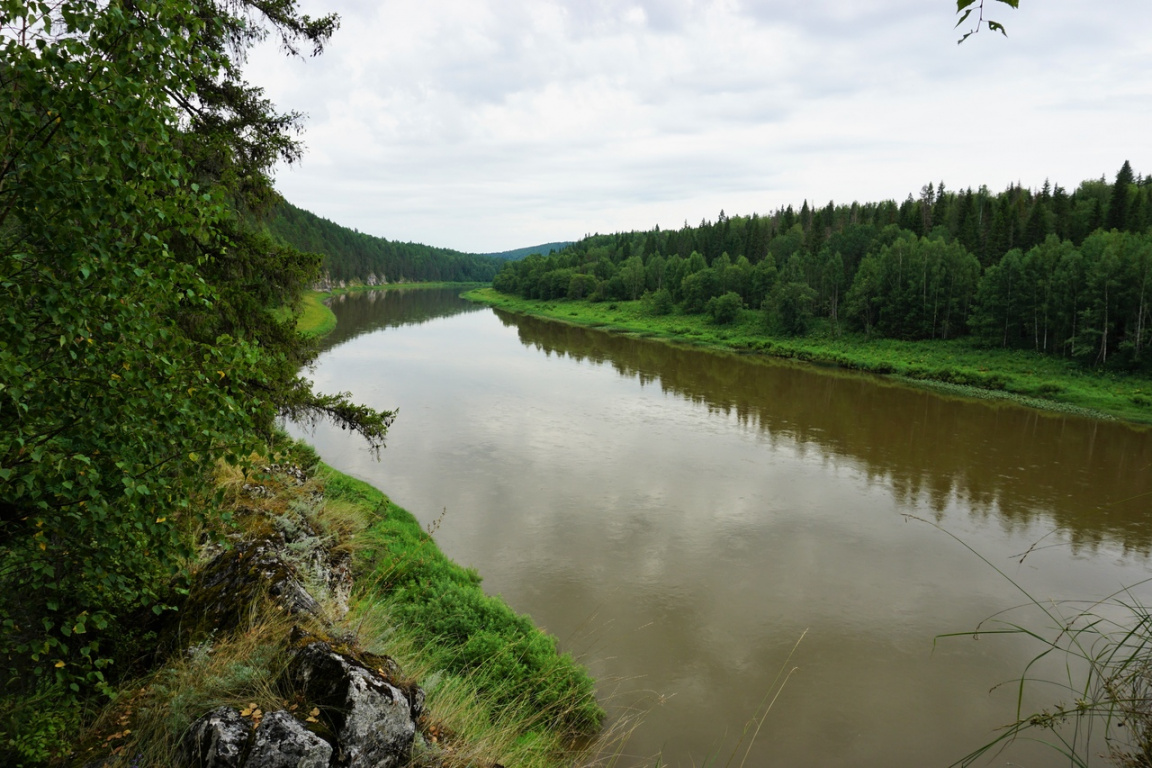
point(680, 519)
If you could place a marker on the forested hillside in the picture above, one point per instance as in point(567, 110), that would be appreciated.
point(1060, 273)
point(519, 253)
point(349, 254)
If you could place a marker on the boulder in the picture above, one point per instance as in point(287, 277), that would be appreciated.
point(217, 740)
point(372, 718)
point(282, 742)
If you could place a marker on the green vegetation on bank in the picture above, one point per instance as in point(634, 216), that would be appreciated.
point(316, 318)
point(138, 286)
point(957, 365)
point(460, 630)
point(148, 350)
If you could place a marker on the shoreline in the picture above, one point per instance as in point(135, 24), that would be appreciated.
point(953, 368)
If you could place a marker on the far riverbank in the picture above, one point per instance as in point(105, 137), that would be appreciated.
point(957, 366)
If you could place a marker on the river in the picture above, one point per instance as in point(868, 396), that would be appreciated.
point(680, 519)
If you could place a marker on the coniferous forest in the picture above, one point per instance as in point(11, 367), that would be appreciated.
point(1067, 274)
point(349, 254)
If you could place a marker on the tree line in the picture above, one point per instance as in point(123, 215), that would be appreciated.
point(348, 254)
point(1059, 273)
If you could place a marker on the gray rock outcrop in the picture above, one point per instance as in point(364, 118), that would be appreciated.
point(369, 720)
point(374, 721)
point(218, 739)
point(282, 742)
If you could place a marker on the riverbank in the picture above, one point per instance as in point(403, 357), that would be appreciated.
point(512, 682)
point(957, 366)
point(513, 698)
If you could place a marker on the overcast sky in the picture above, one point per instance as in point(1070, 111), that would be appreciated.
point(486, 125)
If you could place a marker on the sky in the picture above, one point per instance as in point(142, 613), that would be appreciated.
point(488, 125)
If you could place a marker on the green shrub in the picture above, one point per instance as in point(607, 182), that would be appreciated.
point(33, 729)
point(660, 302)
point(726, 308)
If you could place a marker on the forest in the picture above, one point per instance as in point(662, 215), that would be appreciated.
point(349, 254)
point(519, 253)
point(1065, 274)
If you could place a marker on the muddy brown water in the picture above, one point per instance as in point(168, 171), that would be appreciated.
point(681, 518)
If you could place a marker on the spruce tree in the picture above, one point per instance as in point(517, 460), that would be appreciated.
point(1118, 202)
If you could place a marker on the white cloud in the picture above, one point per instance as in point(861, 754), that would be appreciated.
point(485, 124)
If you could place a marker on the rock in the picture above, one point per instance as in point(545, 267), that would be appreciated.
point(282, 742)
point(294, 471)
point(217, 740)
point(224, 591)
point(314, 559)
point(374, 721)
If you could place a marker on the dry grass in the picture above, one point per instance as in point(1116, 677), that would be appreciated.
point(143, 726)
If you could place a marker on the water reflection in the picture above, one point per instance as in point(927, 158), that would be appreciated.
point(1091, 478)
point(369, 311)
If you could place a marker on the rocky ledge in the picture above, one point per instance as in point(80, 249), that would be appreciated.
point(345, 707)
point(360, 717)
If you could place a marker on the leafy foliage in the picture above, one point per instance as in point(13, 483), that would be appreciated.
point(965, 8)
point(138, 343)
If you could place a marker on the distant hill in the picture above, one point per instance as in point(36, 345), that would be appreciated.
point(349, 254)
point(520, 253)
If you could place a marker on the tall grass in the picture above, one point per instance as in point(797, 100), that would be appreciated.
point(145, 722)
point(1105, 650)
point(467, 725)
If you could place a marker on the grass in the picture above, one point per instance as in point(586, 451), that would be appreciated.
point(467, 728)
point(462, 630)
point(143, 726)
point(1105, 649)
point(316, 318)
point(957, 366)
